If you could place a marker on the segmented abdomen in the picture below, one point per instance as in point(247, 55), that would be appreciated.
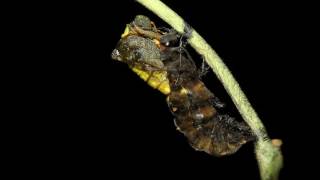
point(192, 104)
point(173, 72)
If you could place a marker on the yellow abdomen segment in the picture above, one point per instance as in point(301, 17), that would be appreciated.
point(155, 79)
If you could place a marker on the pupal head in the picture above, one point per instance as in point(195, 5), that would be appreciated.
point(116, 55)
point(126, 51)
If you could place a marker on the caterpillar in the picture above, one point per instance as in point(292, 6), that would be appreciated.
point(154, 56)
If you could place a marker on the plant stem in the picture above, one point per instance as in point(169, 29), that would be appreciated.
point(268, 155)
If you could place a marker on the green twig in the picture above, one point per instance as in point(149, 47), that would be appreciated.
point(268, 154)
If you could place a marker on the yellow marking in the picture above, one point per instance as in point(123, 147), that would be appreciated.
point(184, 91)
point(157, 42)
point(126, 31)
point(164, 87)
point(142, 74)
point(156, 79)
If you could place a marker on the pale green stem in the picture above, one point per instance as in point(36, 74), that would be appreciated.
point(268, 155)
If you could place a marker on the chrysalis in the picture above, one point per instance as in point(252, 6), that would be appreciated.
point(152, 55)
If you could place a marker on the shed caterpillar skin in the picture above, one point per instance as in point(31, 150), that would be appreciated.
point(149, 52)
point(195, 111)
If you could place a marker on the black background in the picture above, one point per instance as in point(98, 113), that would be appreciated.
point(102, 120)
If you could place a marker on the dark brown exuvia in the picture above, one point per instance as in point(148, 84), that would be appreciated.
point(159, 57)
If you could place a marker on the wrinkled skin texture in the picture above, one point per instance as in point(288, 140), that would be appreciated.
point(155, 57)
point(193, 105)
